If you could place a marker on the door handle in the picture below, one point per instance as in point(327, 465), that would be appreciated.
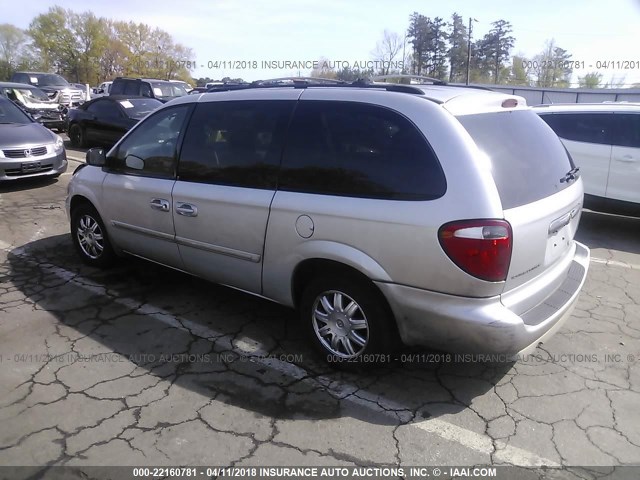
point(160, 204)
point(186, 209)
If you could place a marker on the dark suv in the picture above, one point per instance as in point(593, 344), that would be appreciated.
point(162, 90)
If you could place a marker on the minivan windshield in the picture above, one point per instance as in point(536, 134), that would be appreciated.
point(528, 161)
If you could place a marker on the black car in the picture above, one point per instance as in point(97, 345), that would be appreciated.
point(106, 119)
point(36, 103)
point(162, 90)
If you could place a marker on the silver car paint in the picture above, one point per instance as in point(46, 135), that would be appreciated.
point(394, 243)
point(28, 136)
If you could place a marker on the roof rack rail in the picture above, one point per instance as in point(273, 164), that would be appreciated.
point(434, 81)
point(300, 80)
point(304, 82)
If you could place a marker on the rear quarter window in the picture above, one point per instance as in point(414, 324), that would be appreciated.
point(359, 150)
point(527, 158)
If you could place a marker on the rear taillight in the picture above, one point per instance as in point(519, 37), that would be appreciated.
point(481, 248)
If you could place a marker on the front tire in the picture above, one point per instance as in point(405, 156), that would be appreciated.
point(90, 237)
point(77, 136)
point(347, 320)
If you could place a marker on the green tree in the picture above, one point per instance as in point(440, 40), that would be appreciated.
point(429, 41)
point(458, 46)
point(349, 74)
point(12, 49)
point(519, 71)
point(438, 48)
point(497, 45)
point(418, 32)
point(92, 36)
point(54, 41)
point(590, 80)
point(480, 67)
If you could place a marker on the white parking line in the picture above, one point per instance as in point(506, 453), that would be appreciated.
point(343, 390)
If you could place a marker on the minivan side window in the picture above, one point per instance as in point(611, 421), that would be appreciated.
point(150, 150)
point(627, 131)
point(235, 143)
point(358, 150)
point(582, 127)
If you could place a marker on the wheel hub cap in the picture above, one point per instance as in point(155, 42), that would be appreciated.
point(90, 237)
point(340, 324)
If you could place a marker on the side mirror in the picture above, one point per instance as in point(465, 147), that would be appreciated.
point(96, 157)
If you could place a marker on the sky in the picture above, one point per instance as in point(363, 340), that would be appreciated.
point(247, 33)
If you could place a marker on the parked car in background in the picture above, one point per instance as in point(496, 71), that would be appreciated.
point(604, 141)
point(36, 103)
point(186, 86)
point(55, 86)
point(440, 214)
point(197, 90)
point(27, 149)
point(103, 89)
point(104, 120)
point(162, 90)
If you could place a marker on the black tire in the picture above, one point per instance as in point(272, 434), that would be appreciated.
point(90, 237)
point(380, 336)
point(77, 136)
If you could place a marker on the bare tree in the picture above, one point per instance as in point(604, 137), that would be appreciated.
point(387, 51)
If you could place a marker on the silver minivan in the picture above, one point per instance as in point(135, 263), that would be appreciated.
point(439, 215)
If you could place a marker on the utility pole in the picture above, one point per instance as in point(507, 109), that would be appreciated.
point(469, 48)
point(404, 56)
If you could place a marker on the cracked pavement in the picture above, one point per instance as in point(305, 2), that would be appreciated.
point(141, 365)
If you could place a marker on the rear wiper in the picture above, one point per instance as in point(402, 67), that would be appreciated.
point(570, 175)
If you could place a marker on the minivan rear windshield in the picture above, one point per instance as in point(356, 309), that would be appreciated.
point(527, 158)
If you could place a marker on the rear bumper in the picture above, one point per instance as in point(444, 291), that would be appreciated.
point(483, 325)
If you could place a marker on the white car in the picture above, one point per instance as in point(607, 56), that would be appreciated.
point(103, 89)
point(604, 141)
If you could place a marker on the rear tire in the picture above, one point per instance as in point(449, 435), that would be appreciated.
point(348, 321)
point(90, 237)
